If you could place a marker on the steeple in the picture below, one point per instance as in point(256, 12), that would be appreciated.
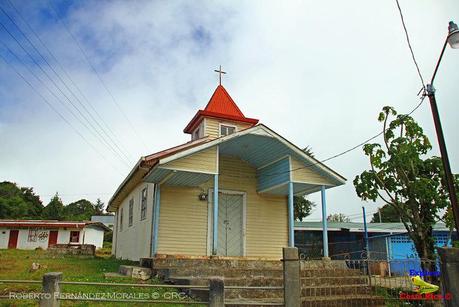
point(221, 110)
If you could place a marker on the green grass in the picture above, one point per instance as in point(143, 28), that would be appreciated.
point(15, 264)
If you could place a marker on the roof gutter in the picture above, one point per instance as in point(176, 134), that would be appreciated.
point(129, 176)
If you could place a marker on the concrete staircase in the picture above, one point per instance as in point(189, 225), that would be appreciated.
point(324, 283)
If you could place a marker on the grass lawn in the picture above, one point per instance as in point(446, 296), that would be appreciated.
point(16, 264)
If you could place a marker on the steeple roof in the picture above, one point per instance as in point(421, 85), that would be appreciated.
point(222, 106)
point(222, 103)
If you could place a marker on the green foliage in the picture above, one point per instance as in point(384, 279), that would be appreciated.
point(388, 215)
point(99, 207)
point(81, 210)
point(54, 210)
point(22, 203)
point(338, 217)
point(302, 207)
point(108, 236)
point(402, 177)
point(18, 203)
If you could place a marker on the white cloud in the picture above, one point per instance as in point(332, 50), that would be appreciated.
point(316, 72)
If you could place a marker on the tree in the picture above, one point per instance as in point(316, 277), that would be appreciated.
point(99, 207)
point(338, 217)
point(302, 207)
point(54, 210)
point(388, 215)
point(80, 210)
point(404, 179)
point(18, 203)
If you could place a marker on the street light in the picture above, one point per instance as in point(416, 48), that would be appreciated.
point(453, 35)
point(453, 40)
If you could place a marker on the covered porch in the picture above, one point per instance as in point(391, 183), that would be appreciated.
point(274, 166)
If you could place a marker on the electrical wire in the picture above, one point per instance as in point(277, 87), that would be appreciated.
point(409, 46)
point(86, 57)
point(59, 114)
point(70, 79)
point(101, 138)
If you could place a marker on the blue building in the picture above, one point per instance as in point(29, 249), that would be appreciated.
point(387, 242)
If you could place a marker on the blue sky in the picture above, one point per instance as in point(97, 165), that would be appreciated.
point(316, 72)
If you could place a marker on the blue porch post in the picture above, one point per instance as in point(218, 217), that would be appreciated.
point(215, 217)
point(291, 231)
point(324, 222)
point(156, 219)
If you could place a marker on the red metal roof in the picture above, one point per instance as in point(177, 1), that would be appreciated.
point(220, 105)
point(44, 224)
point(150, 160)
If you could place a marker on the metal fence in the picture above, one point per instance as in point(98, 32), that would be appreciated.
point(346, 282)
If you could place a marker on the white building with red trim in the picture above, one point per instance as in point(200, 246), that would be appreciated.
point(31, 234)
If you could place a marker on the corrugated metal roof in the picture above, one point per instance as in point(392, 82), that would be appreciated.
point(220, 105)
point(358, 227)
point(49, 224)
point(221, 102)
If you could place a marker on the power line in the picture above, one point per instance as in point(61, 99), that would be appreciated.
point(62, 81)
point(69, 78)
point(347, 150)
point(58, 113)
point(409, 46)
point(60, 90)
point(67, 28)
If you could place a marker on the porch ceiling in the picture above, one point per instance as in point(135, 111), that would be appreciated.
point(177, 178)
point(257, 150)
point(298, 189)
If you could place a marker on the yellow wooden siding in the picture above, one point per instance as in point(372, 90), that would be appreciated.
point(307, 174)
point(183, 222)
point(202, 161)
point(266, 216)
point(211, 126)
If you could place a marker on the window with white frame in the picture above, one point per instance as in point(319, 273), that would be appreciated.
point(143, 204)
point(74, 237)
point(226, 130)
point(131, 212)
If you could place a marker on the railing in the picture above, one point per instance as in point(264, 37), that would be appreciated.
point(348, 282)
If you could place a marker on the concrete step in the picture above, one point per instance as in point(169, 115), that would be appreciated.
point(246, 294)
point(330, 272)
point(214, 262)
point(334, 280)
point(135, 271)
point(202, 272)
point(335, 290)
point(205, 272)
point(229, 281)
point(344, 301)
point(241, 302)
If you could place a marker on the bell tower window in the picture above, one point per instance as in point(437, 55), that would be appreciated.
point(227, 130)
point(196, 134)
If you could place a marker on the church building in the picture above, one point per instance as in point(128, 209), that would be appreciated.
point(227, 192)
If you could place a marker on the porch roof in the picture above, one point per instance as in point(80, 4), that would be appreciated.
point(260, 147)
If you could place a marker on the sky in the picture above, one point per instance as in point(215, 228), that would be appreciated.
point(317, 72)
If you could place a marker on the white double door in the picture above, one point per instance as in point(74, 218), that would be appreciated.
point(230, 224)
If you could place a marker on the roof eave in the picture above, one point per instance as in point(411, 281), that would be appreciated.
point(124, 182)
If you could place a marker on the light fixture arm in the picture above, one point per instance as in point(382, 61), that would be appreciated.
point(430, 91)
point(438, 62)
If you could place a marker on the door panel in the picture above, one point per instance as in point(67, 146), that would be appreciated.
point(52, 238)
point(13, 240)
point(230, 224)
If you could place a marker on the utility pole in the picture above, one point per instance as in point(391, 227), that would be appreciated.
point(367, 249)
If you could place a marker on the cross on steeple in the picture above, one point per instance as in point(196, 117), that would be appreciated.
point(220, 72)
